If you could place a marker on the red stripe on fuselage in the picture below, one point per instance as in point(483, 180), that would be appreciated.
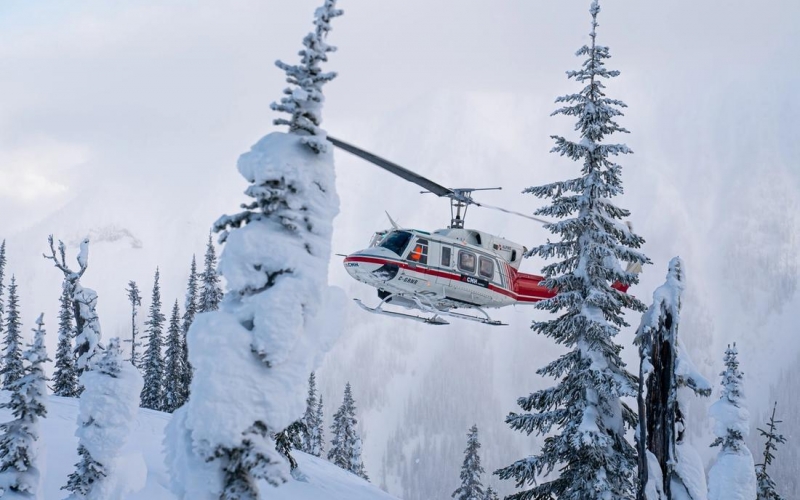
point(419, 268)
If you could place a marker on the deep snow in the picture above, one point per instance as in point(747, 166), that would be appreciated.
point(142, 461)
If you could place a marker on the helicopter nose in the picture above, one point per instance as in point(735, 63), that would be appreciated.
point(370, 266)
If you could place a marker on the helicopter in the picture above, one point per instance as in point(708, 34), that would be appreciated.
point(438, 273)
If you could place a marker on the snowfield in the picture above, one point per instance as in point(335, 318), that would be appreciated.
point(142, 466)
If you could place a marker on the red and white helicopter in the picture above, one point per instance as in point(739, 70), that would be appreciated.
point(448, 269)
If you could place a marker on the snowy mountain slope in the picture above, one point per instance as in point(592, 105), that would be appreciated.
point(144, 468)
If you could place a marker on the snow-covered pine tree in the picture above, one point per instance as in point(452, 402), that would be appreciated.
point(277, 317)
point(174, 369)
point(345, 449)
point(190, 311)
point(153, 364)
point(65, 378)
point(491, 494)
point(108, 413)
point(471, 470)
point(304, 99)
point(666, 368)
point(2, 284)
point(211, 293)
point(310, 437)
point(12, 340)
point(19, 474)
point(319, 444)
point(732, 477)
point(584, 415)
point(84, 302)
point(135, 298)
point(766, 486)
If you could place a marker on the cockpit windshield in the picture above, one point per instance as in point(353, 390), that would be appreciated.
point(396, 242)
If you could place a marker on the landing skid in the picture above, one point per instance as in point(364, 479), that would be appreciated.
point(431, 309)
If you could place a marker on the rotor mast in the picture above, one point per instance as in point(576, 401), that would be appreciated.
point(459, 202)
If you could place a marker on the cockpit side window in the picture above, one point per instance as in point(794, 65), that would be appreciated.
point(396, 242)
point(420, 252)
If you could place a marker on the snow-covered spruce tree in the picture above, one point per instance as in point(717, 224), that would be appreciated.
point(345, 449)
point(107, 415)
point(65, 378)
point(135, 298)
point(669, 468)
point(584, 415)
point(491, 494)
point(732, 477)
point(211, 293)
point(153, 364)
point(319, 445)
point(471, 470)
point(304, 98)
point(766, 486)
point(19, 474)
point(277, 318)
point(190, 311)
point(12, 340)
point(84, 302)
point(174, 369)
point(2, 283)
point(310, 439)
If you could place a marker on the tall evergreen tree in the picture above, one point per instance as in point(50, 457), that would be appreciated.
point(211, 293)
point(275, 267)
point(65, 377)
point(319, 445)
point(732, 477)
point(584, 412)
point(135, 298)
point(12, 349)
point(175, 368)
point(345, 449)
point(311, 439)
point(766, 486)
point(665, 368)
point(2, 283)
point(19, 472)
point(471, 470)
point(190, 311)
point(153, 390)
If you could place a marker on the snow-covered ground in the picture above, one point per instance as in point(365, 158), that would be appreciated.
point(322, 481)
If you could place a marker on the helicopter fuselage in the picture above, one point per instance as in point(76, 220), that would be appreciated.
point(444, 270)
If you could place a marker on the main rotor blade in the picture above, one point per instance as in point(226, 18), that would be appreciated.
point(394, 168)
point(542, 221)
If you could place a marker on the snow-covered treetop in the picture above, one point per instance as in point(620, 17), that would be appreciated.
point(37, 353)
point(732, 377)
point(109, 363)
point(730, 412)
point(303, 99)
